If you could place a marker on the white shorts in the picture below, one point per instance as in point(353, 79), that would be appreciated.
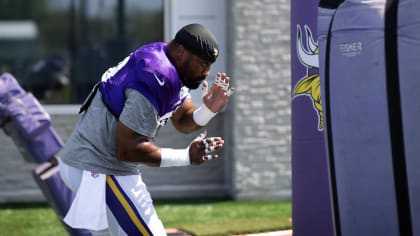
point(110, 205)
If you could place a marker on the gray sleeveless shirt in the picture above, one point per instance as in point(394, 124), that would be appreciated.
point(91, 146)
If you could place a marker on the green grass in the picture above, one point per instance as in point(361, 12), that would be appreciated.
point(29, 219)
point(198, 217)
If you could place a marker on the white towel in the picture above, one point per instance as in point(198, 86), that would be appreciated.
point(88, 210)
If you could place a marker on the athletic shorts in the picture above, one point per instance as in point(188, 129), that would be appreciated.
point(110, 205)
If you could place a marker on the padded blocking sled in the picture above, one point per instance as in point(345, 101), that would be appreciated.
point(32, 127)
point(26, 122)
point(369, 51)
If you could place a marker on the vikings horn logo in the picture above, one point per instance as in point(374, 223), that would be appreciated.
point(309, 85)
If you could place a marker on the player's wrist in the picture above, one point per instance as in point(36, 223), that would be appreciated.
point(174, 157)
point(202, 115)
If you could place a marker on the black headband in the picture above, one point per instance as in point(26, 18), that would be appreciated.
point(198, 40)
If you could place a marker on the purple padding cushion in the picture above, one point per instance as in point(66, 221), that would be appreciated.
point(9, 87)
point(28, 114)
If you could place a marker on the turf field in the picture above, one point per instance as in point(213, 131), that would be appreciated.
point(198, 217)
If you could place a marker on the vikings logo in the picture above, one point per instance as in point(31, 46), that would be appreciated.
point(309, 85)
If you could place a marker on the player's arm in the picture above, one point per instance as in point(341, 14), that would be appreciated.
point(183, 120)
point(134, 138)
point(134, 147)
point(188, 117)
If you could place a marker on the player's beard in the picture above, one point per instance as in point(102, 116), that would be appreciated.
point(193, 83)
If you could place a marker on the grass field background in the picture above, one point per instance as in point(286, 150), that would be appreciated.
point(197, 216)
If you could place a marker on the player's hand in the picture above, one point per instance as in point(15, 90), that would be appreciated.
point(201, 148)
point(218, 95)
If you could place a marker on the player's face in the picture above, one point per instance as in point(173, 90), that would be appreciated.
point(194, 70)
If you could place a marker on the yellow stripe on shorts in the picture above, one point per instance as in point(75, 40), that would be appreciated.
point(131, 213)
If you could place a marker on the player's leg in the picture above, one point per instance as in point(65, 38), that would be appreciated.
point(130, 207)
point(71, 176)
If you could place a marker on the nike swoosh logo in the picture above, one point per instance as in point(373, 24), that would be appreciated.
point(160, 82)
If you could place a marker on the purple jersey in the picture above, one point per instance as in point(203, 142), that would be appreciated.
point(149, 71)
